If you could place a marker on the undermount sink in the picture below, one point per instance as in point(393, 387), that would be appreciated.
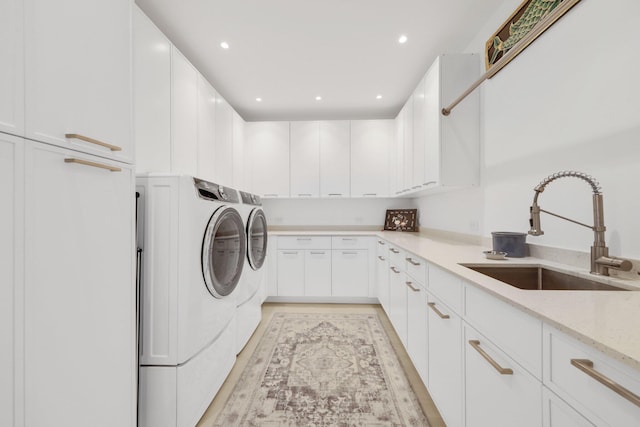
point(540, 278)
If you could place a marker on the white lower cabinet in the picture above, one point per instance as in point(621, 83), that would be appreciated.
point(79, 294)
point(398, 302)
point(317, 278)
point(417, 326)
point(291, 273)
point(445, 361)
point(556, 412)
point(350, 273)
point(382, 274)
point(498, 391)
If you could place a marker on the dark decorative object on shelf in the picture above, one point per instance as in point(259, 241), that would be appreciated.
point(401, 220)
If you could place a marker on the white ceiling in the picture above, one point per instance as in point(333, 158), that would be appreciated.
point(289, 51)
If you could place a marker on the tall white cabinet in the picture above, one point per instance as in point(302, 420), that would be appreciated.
point(78, 75)
point(206, 129)
point(269, 145)
point(12, 70)
point(305, 159)
point(223, 159)
point(184, 115)
point(335, 167)
point(370, 164)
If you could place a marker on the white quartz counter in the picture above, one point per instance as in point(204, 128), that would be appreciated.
point(606, 320)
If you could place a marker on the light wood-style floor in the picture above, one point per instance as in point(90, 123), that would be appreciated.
point(429, 408)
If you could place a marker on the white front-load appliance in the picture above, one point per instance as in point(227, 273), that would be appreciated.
point(252, 287)
point(193, 253)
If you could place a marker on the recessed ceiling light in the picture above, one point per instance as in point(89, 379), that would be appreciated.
point(318, 98)
point(402, 39)
point(379, 97)
point(224, 45)
point(259, 99)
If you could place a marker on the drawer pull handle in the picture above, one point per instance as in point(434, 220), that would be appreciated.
point(349, 253)
point(410, 285)
point(369, 194)
point(381, 258)
point(430, 183)
point(335, 194)
point(395, 251)
point(432, 306)
point(412, 262)
point(290, 253)
point(503, 371)
point(395, 270)
point(348, 239)
point(303, 238)
point(93, 164)
point(304, 194)
point(380, 242)
point(586, 366)
point(92, 141)
point(317, 253)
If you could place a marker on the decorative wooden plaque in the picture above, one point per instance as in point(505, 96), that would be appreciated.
point(400, 220)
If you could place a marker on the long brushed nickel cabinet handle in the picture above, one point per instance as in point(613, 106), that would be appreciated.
point(411, 261)
point(503, 371)
point(586, 366)
point(92, 164)
point(410, 285)
point(432, 306)
point(395, 270)
point(92, 141)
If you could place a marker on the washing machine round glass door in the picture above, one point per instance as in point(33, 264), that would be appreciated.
point(257, 237)
point(223, 251)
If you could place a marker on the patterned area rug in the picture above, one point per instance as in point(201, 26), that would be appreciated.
point(323, 370)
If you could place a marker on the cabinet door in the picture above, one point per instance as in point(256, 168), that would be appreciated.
point(317, 277)
point(223, 160)
point(419, 134)
point(206, 129)
point(556, 413)
point(432, 125)
point(350, 273)
point(11, 238)
point(370, 147)
point(78, 74)
point(382, 281)
point(238, 152)
point(80, 296)
point(417, 326)
point(184, 115)
point(445, 361)
point(269, 145)
point(334, 158)
point(506, 398)
point(290, 273)
point(151, 95)
point(398, 154)
point(407, 142)
point(305, 159)
point(398, 302)
point(12, 70)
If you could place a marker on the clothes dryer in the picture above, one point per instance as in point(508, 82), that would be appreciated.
point(251, 291)
point(193, 254)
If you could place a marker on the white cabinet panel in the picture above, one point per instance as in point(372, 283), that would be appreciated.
point(223, 160)
point(305, 159)
point(382, 280)
point(398, 302)
point(556, 413)
point(12, 70)
point(431, 82)
point(317, 280)
point(238, 153)
point(419, 136)
point(350, 273)
point(80, 313)
point(206, 129)
point(407, 142)
point(78, 74)
point(11, 237)
point(184, 115)
point(334, 158)
point(417, 327)
point(370, 147)
point(397, 155)
point(151, 95)
point(498, 398)
point(269, 145)
point(290, 273)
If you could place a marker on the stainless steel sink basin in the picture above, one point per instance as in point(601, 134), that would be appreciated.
point(540, 278)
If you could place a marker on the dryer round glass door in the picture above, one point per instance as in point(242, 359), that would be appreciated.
point(257, 237)
point(223, 251)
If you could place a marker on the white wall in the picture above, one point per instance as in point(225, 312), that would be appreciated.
point(569, 101)
point(330, 212)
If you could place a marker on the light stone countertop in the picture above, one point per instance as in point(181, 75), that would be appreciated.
point(606, 320)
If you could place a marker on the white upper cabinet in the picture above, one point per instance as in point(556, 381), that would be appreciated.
point(12, 70)
point(407, 143)
point(151, 95)
point(305, 159)
point(334, 158)
point(184, 115)
point(223, 163)
point(238, 153)
point(206, 129)
point(370, 147)
point(78, 75)
point(397, 155)
point(269, 146)
point(419, 136)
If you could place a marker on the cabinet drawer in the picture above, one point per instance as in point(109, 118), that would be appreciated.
point(416, 268)
point(304, 242)
point(397, 257)
point(581, 389)
point(350, 242)
point(382, 248)
point(517, 333)
point(445, 286)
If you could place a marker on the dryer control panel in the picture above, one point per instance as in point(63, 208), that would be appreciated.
point(212, 191)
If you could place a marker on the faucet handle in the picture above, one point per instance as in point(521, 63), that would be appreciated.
point(534, 220)
point(615, 263)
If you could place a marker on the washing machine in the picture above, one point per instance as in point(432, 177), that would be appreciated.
point(193, 253)
point(251, 290)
